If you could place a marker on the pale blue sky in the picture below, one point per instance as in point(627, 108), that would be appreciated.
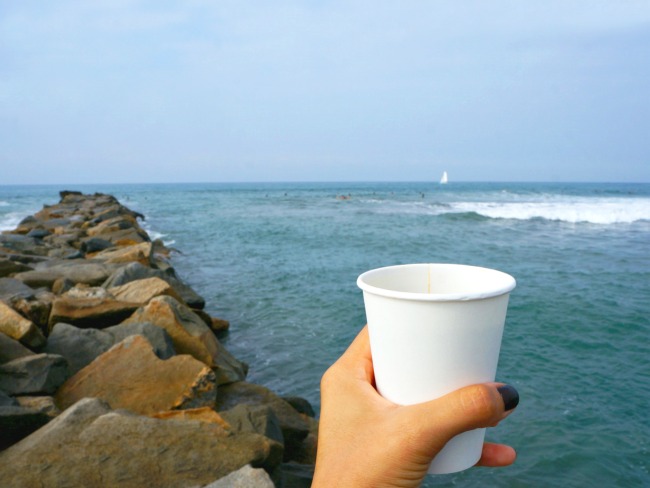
point(112, 91)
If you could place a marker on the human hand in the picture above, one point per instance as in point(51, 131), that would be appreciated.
point(368, 441)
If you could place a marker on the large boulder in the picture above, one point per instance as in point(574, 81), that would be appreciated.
point(254, 418)
point(141, 291)
point(140, 253)
point(88, 445)
point(76, 270)
point(12, 287)
point(136, 271)
point(11, 349)
point(90, 312)
point(8, 267)
point(131, 376)
point(295, 427)
point(22, 244)
point(81, 346)
point(19, 328)
point(38, 278)
point(94, 244)
point(162, 344)
point(191, 335)
point(37, 374)
point(107, 225)
point(124, 237)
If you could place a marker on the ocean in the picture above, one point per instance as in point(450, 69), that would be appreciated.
point(280, 262)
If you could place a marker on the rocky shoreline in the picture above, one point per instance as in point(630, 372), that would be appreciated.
point(112, 373)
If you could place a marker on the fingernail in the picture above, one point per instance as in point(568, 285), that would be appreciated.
point(509, 395)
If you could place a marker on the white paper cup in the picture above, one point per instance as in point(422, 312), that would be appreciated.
point(435, 328)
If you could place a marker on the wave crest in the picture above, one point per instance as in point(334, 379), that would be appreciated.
point(599, 211)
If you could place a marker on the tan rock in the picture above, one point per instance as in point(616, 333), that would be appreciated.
point(19, 328)
point(90, 312)
point(202, 414)
point(219, 325)
point(142, 291)
point(131, 376)
point(140, 253)
point(191, 335)
point(188, 332)
point(120, 222)
point(89, 445)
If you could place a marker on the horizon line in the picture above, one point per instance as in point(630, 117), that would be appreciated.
point(280, 182)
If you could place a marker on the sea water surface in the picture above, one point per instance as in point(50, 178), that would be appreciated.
point(280, 261)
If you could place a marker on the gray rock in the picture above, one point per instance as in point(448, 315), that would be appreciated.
point(76, 270)
point(162, 344)
point(33, 375)
point(38, 233)
point(90, 446)
point(246, 477)
point(12, 287)
point(79, 346)
point(22, 244)
point(259, 419)
point(294, 428)
point(66, 253)
point(56, 222)
point(38, 278)
point(11, 349)
point(136, 271)
point(95, 244)
point(29, 221)
point(301, 405)
point(8, 267)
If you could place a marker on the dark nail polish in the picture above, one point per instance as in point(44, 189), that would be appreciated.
point(509, 395)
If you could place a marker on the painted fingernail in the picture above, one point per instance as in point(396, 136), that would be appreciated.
point(510, 396)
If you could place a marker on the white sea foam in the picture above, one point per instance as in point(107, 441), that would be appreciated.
point(596, 211)
point(11, 220)
point(153, 234)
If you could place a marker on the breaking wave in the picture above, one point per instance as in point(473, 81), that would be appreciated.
point(595, 211)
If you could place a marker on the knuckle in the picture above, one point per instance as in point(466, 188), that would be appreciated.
point(328, 379)
point(478, 402)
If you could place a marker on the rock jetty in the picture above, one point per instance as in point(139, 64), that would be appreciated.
point(113, 374)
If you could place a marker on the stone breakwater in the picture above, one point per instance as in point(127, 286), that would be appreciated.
point(112, 373)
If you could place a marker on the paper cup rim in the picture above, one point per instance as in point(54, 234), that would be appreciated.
point(507, 284)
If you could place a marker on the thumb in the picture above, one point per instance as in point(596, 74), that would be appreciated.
point(472, 407)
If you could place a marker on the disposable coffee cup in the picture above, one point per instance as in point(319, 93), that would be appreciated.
point(435, 328)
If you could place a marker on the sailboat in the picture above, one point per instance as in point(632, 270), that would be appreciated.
point(444, 179)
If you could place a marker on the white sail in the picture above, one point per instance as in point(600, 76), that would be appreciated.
point(444, 178)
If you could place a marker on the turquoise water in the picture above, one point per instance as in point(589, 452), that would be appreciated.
point(280, 261)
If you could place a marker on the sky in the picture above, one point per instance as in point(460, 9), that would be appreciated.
point(126, 91)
